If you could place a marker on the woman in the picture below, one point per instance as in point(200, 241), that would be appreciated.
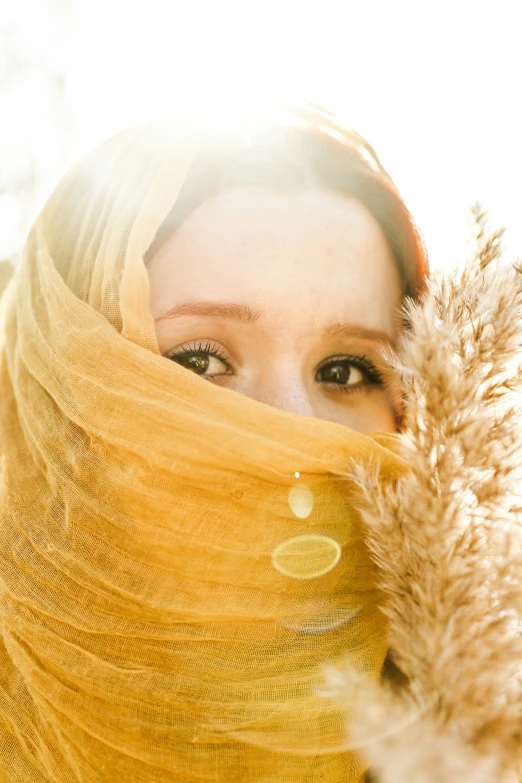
point(178, 561)
point(311, 250)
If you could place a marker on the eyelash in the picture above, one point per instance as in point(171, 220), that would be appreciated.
point(360, 361)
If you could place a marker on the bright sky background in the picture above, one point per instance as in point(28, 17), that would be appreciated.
point(434, 86)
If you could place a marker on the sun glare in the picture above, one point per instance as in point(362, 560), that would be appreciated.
point(438, 107)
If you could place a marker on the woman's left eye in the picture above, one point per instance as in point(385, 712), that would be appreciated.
point(348, 372)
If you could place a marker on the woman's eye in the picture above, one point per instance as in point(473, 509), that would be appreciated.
point(349, 372)
point(205, 361)
point(341, 373)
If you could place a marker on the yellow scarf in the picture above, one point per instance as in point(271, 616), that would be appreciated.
point(177, 561)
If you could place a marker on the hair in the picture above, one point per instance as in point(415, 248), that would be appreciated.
point(318, 153)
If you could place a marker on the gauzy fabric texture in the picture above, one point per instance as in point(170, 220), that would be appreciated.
point(177, 562)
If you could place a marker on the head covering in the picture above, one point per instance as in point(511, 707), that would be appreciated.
point(177, 561)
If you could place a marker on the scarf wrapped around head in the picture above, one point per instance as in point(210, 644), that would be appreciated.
point(177, 562)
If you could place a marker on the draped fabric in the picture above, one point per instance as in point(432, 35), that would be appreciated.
point(177, 562)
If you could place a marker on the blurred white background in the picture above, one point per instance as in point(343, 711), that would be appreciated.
point(435, 88)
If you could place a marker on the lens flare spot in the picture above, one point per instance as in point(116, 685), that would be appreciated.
point(301, 500)
point(330, 618)
point(307, 556)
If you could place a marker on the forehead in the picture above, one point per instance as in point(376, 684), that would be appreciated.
point(291, 250)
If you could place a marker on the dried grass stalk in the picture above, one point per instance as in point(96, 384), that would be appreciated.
point(447, 538)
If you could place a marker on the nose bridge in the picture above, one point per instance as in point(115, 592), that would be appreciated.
point(283, 386)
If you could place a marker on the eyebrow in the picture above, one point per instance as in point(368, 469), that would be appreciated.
point(348, 329)
point(243, 313)
point(231, 311)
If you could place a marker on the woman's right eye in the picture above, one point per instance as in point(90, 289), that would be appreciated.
point(205, 360)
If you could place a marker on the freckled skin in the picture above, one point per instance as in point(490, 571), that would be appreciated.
point(304, 261)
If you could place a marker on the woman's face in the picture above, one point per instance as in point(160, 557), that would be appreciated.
point(288, 298)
